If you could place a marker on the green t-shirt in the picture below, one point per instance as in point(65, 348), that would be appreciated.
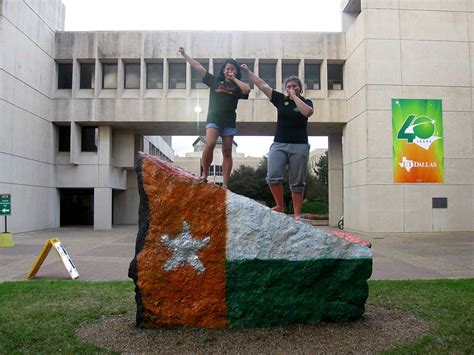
point(222, 101)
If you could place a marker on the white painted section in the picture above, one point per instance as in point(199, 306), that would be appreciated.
point(256, 232)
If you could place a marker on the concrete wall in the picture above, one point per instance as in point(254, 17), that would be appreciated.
point(28, 140)
point(126, 203)
point(171, 111)
point(408, 49)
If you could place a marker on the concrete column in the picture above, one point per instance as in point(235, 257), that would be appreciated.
point(102, 208)
point(165, 76)
point(75, 149)
point(324, 79)
point(97, 78)
point(105, 145)
point(301, 73)
point(120, 77)
point(278, 75)
point(76, 78)
point(336, 207)
point(188, 80)
point(143, 75)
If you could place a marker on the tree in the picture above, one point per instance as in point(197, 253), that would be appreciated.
point(244, 181)
point(317, 186)
point(252, 183)
point(322, 170)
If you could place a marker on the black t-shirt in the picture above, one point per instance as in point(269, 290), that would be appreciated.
point(291, 124)
point(222, 101)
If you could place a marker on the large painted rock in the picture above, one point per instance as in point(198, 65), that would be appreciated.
point(206, 257)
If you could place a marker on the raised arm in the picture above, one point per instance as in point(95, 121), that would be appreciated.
point(244, 87)
point(193, 62)
point(259, 82)
point(304, 109)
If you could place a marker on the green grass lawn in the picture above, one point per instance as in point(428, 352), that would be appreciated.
point(42, 316)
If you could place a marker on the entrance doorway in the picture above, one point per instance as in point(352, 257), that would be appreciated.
point(76, 207)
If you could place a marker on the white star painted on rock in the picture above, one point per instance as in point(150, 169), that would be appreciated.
point(185, 249)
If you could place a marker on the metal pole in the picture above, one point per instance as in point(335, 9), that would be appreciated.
point(6, 224)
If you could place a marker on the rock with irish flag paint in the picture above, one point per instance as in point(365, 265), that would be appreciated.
point(206, 257)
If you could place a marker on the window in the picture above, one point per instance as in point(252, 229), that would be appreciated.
point(214, 170)
point(335, 77)
point(177, 76)
point(154, 75)
point(64, 138)
point(245, 77)
point(64, 75)
point(132, 76)
point(287, 70)
point(218, 63)
point(109, 77)
point(267, 71)
point(312, 76)
point(89, 139)
point(196, 78)
point(87, 80)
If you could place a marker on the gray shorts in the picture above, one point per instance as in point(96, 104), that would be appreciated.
point(293, 155)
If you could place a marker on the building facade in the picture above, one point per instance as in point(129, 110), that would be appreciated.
point(192, 160)
point(114, 88)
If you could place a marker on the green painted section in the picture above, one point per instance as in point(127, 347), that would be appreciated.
point(280, 292)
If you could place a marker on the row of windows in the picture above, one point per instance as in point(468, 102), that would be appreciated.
point(156, 152)
point(177, 75)
point(89, 139)
point(214, 170)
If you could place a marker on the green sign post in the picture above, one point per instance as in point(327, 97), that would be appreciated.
point(5, 207)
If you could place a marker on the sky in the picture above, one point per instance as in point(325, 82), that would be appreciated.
point(211, 15)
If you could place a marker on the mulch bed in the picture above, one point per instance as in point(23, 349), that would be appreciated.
point(380, 329)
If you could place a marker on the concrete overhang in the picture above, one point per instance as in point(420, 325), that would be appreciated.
point(193, 128)
point(351, 6)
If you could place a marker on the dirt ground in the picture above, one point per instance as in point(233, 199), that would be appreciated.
point(380, 329)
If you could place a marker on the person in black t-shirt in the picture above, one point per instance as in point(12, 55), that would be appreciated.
point(226, 90)
point(290, 146)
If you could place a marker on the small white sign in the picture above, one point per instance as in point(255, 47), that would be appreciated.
point(66, 260)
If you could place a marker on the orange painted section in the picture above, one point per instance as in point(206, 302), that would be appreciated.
point(182, 296)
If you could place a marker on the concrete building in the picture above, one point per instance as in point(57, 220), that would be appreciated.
point(192, 160)
point(133, 83)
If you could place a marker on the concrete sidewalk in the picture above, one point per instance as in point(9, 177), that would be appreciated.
point(106, 255)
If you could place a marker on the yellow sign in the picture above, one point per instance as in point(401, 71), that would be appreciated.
point(54, 242)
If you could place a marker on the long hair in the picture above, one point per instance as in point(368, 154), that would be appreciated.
point(238, 74)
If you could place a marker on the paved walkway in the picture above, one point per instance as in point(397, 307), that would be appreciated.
point(106, 255)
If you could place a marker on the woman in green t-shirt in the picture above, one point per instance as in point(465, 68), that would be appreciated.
point(226, 90)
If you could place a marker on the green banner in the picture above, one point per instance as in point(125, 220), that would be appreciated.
point(417, 132)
